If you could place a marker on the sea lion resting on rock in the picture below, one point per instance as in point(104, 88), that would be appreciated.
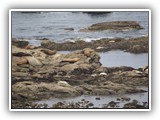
point(49, 52)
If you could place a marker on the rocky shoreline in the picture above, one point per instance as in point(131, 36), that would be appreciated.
point(132, 45)
point(41, 72)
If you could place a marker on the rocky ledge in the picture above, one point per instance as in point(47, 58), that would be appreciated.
point(133, 45)
point(114, 25)
point(39, 73)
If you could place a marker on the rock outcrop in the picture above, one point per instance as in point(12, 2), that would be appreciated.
point(133, 45)
point(114, 25)
point(37, 75)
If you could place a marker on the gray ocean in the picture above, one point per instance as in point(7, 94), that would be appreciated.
point(51, 25)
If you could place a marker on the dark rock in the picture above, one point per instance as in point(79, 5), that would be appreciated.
point(59, 105)
point(20, 54)
point(115, 25)
point(111, 104)
point(105, 43)
point(97, 13)
point(19, 43)
point(30, 12)
point(125, 98)
point(70, 29)
point(134, 105)
point(97, 98)
point(90, 104)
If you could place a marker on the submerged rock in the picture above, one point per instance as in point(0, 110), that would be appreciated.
point(70, 29)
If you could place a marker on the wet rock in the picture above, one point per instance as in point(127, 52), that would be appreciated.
point(70, 29)
point(115, 25)
point(137, 49)
point(111, 104)
point(97, 98)
point(59, 105)
point(82, 99)
point(45, 42)
point(49, 52)
point(125, 98)
point(101, 45)
point(134, 105)
point(90, 104)
point(20, 43)
point(44, 39)
point(97, 13)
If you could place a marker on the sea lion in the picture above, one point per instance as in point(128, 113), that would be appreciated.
point(49, 52)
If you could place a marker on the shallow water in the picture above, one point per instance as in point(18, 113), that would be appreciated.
point(51, 25)
point(140, 97)
point(120, 58)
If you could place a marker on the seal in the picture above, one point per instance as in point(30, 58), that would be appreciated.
point(49, 52)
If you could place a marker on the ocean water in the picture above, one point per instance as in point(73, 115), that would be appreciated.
point(51, 25)
point(140, 97)
point(118, 58)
